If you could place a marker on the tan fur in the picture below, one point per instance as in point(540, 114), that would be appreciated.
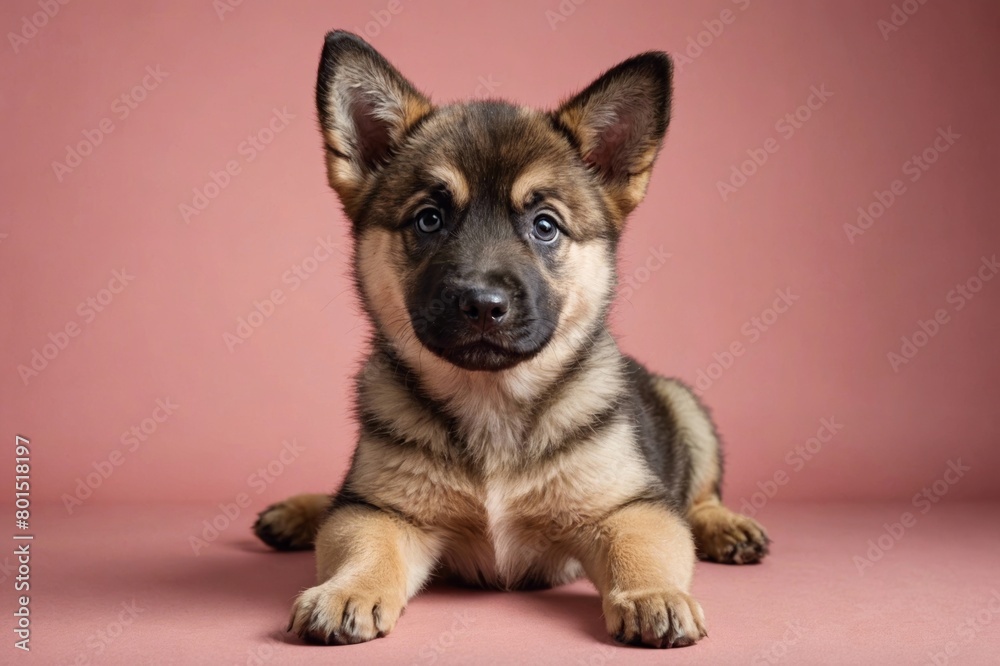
point(370, 564)
point(538, 176)
point(641, 560)
point(453, 179)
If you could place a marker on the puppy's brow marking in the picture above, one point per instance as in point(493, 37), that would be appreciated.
point(453, 179)
point(529, 182)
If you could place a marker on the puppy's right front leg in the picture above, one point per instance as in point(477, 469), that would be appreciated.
point(369, 563)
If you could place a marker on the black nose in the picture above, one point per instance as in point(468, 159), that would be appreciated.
point(485, 307)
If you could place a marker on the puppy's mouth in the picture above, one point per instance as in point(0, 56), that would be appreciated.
point(485, 354)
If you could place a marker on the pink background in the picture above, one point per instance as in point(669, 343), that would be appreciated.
point(162, 336)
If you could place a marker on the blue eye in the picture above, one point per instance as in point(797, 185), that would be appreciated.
point(545, 228)
point(428, 220)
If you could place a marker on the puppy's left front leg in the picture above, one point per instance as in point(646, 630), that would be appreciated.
point(369, 563)
point(642, 561)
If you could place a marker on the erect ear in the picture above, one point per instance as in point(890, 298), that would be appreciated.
point(365, 109)
point(618, 123)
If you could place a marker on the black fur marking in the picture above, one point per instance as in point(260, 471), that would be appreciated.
point(568, 376)
point(656, 431)
point(560, 127)
point(408, 379)
point(652, 496)
point(590, 430)
point(346, 496)
point(375, 426)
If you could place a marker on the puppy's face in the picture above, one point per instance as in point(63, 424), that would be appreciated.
point(495, 224)
point(486, 231)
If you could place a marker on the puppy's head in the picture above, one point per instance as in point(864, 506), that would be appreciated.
point(486, 232)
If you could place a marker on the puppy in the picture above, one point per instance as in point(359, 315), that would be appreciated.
point(504, 440)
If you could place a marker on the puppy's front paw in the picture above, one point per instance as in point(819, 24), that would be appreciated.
point(332, 614)
point(660, 619)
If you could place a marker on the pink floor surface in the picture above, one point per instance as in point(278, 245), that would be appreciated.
point(121, 585)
